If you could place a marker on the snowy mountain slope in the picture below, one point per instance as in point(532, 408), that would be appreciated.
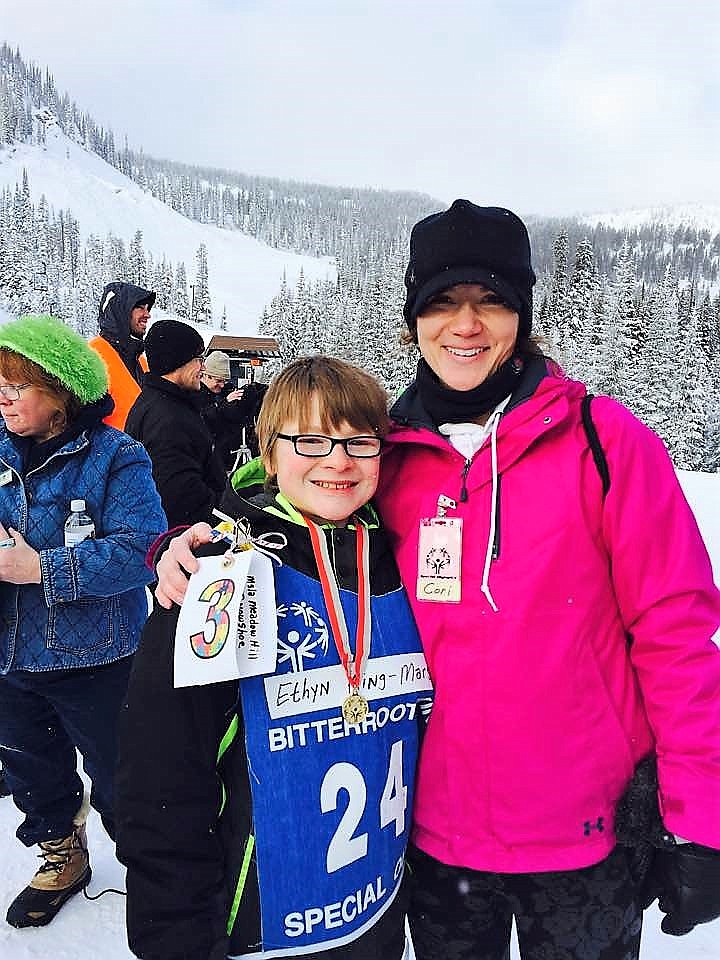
point(244, 273)
point(697, 216)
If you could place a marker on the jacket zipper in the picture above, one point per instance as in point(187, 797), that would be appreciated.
point(463, 488)
point(463, 498)
point(496, 538)
point(57, 453)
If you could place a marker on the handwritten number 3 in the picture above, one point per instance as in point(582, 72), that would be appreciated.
point(218, 594)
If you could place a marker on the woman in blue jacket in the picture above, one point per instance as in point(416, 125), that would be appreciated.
point(70, 612)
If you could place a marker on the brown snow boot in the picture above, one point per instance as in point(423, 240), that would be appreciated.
point(64, 872)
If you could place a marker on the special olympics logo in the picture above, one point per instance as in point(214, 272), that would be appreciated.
point(307, 635)
point(437, 559)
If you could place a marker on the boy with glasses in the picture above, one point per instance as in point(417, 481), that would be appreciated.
point(269, 816)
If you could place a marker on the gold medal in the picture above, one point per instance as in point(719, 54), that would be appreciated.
point(355, 708)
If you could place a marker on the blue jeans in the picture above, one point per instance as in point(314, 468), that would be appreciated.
point(44, 717)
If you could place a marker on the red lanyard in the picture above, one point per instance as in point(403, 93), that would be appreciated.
point(354, 666)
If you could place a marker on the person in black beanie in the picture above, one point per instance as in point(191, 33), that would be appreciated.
point(482, 383)
point(569, 645)
point(166, 419)
point(470, 244)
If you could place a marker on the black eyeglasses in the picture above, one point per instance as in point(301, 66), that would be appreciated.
point(315, 445)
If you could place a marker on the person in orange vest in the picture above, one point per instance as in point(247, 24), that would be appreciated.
point(123, 319)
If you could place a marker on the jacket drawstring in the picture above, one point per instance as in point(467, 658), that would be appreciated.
point(485, 588)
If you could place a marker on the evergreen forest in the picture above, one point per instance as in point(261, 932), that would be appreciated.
point(635, 313)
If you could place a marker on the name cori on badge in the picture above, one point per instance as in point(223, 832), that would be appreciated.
point(440, 559)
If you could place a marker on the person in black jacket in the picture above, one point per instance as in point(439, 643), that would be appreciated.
point(229, 412)
point(166, 419)
point(253, 395)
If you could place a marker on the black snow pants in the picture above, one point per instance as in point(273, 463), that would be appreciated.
point(461, 914)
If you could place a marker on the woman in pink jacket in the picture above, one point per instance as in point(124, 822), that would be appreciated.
point(567, 625)
point(567, 610)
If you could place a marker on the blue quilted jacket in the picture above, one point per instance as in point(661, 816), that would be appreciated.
point(91, 604)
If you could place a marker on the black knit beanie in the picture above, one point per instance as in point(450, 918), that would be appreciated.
point(171, 344)
point(470, 244)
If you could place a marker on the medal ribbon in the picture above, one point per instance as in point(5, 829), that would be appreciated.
point(354, 667)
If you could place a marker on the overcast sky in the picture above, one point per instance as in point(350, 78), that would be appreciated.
point(545, 106)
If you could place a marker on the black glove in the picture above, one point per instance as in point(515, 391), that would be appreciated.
point(689, 876)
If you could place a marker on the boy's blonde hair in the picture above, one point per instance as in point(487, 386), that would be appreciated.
point(345, 394)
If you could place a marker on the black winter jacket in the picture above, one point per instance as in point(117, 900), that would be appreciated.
point(182, 857)
point(225, 420)
point(190, 479)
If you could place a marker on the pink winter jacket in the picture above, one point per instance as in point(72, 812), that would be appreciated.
point(601, 647)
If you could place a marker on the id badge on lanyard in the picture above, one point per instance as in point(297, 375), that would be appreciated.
point(440, 556)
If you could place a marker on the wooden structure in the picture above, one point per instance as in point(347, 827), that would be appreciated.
point(247, 354)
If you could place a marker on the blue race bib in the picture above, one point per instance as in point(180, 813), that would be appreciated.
point(331, 801)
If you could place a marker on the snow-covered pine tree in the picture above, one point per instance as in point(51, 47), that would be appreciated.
point(42, 274)
point(69, 237)
point(82, 305)
point(279, 322)
point(137, 261)
point(656, 394)
point(117, 259)
point(597, 339)
point(708, 325)
point(304, 319)
point(557, 320)
point(5, 244)
point(180, 303)
point(22, 245)
point(581, 298)
point(201, 305)
point(624, 330)
point(687, 442)
point(163, 286)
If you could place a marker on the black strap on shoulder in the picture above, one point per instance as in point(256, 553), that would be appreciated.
point(594, 440)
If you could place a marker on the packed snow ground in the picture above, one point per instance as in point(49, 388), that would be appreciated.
point(244, 274)
point(87, 931)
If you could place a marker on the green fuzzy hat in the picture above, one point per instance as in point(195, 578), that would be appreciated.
point(60, 351)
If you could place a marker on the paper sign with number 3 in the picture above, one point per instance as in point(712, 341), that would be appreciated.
point(227, 626)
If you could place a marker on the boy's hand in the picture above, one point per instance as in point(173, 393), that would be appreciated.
point(176, 561)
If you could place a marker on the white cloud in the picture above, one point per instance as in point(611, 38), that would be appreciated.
point(542, 106)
